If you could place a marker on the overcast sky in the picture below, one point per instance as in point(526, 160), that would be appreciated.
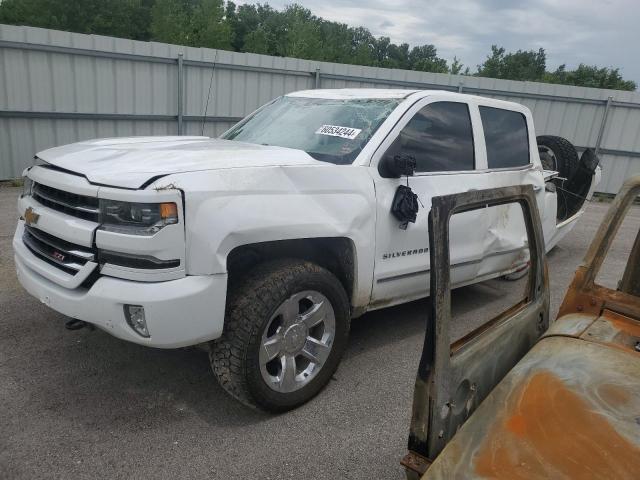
point(596, 32)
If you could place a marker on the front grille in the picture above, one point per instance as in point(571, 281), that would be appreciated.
point(64, 255)
point(80, 206)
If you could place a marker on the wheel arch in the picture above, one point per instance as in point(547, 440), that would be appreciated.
point(336, 254)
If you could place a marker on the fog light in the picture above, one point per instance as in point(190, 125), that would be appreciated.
point(135, 318)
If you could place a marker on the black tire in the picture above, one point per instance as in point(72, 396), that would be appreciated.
point(565, 157)
point(251, 303)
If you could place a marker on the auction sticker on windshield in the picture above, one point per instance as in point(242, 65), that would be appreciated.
point(336, 131)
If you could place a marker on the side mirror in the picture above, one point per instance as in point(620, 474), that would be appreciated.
point(396, 166)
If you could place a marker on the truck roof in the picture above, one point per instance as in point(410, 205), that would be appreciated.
point(347, 93)
point(398, 93)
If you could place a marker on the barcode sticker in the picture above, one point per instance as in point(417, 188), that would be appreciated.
point(336, 131)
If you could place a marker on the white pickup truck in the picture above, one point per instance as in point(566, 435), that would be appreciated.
point(267, 241)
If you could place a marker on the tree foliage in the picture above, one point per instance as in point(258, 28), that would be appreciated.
point(531, 65)
point(590, 76)
point(520, 65)
point(292, 32)
point(119, 18)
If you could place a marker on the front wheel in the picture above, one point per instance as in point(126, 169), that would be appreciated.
point(286, 328)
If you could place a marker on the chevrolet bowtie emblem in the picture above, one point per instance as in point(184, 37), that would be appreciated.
point(30, 217)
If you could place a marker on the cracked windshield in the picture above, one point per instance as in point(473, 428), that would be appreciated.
point(330, 130)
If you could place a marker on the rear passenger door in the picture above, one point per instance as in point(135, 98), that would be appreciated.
point(439, 134)
point(507, 142)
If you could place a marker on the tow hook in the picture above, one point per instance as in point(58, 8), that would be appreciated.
point(73, 324)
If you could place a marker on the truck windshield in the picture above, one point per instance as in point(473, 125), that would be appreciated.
point(330, 130)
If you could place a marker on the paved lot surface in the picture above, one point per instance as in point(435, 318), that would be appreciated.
point(86, 405)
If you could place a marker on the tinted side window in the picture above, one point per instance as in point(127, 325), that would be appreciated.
point(506, 136)
point(440, 138)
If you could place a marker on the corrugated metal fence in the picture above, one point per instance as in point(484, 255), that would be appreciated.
point(59, 87)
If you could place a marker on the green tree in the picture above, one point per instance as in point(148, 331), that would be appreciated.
point(456, 67)
point(397, 56)
point(335, 42)
point(362, 46)
point(303, 32)
point(120, 18)
point(425, 58)
point(271, 29)
point(197, 23)
point(590, 76)
point(520, 65)
point(170, 21)
point(208, 25)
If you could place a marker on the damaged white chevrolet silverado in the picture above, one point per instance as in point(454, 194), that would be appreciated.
point(267, 241)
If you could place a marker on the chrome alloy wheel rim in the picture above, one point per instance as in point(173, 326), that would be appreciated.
point(297, 341)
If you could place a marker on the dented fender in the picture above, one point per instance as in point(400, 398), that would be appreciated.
point(233, 207)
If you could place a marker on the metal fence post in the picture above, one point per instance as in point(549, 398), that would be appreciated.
point(317, 84)
point(180, 91)
point(603, 124)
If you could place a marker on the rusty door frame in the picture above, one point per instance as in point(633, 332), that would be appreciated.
point(453, 379)
point(584, 294)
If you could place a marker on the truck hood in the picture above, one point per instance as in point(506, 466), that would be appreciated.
point(132, 162)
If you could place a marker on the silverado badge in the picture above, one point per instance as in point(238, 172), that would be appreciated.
point(30, 217)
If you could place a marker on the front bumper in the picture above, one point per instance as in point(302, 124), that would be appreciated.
point(179, 312)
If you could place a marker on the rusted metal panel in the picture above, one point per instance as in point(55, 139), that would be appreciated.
point(416, 465)
point(614, 330)
point(452, 380)
point(571, 325)
point(569, 409)
point(584, 295)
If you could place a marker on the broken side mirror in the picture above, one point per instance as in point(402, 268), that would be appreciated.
point(399, 165)
point(405, 206)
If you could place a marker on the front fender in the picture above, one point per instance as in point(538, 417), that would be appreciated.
point(229, 208)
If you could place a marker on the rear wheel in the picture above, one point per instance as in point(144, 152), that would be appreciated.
point(286, 329)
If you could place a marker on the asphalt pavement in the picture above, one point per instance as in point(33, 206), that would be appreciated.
point(86, 405)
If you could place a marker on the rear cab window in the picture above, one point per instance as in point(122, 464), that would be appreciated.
point(506, 137)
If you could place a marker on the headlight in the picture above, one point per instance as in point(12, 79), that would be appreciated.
point(136, 218)
point(27, 186)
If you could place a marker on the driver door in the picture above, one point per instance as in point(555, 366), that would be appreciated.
point(440, 135)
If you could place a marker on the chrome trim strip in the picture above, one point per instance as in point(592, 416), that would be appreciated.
point(83, 254)
point(403, 275)
point(37, 192)
point(35, 248)
point(520, 168)
point(455, 265)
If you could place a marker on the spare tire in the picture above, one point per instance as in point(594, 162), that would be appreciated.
point(558, 154)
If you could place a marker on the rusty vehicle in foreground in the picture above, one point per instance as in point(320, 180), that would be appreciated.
point(520, 397)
